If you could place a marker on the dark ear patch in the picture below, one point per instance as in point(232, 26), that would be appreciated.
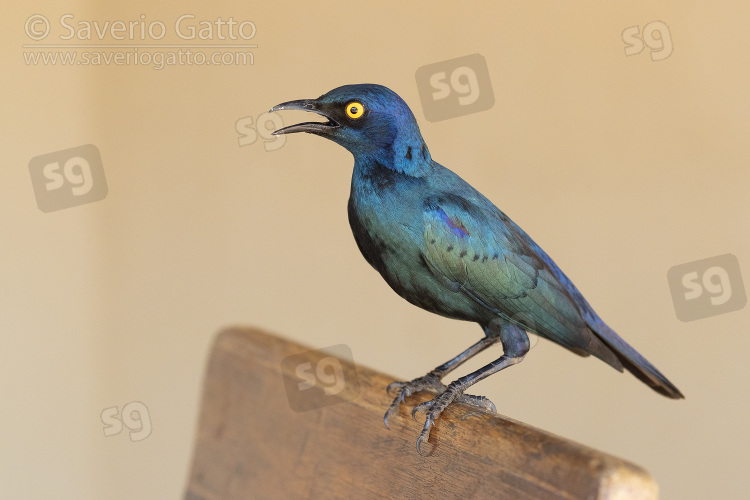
point(408, 153)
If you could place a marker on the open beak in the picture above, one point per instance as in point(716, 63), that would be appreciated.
point(311, 127)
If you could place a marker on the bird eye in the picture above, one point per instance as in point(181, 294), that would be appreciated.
point(355, 110)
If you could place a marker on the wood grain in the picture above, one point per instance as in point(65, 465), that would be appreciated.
point(251, 444)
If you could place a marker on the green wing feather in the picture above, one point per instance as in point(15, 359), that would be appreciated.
point(487, 257)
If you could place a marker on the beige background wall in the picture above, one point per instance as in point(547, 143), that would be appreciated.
point(620, 167)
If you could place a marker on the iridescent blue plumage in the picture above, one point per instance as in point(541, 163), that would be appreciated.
point(441, 245)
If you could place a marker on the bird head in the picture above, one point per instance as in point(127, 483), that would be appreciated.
point(371, 121)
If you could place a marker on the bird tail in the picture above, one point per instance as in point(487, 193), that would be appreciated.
point(635, 363)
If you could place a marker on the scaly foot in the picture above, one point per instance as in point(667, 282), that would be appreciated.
point(433, 408)
point(430, 382)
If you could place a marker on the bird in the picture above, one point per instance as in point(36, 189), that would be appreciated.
point(446, 248)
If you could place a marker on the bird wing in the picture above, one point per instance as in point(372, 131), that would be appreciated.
point(483, 254)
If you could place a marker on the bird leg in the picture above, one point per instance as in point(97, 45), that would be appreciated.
point(432, 381)
point(515, 346)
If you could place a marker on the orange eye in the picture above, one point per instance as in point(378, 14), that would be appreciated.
point(355, 110)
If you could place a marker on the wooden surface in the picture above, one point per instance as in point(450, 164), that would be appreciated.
point(251, 444)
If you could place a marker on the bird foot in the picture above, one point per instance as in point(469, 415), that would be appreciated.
point(430, 382)
point(433, 408)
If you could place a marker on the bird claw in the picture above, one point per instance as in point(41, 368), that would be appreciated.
point(429, 382)
point(434, 407)
point(421, 408)
point(425, 435)
point(467, 399)
point(393, 386)
point(432, 410)
point(477, 401)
